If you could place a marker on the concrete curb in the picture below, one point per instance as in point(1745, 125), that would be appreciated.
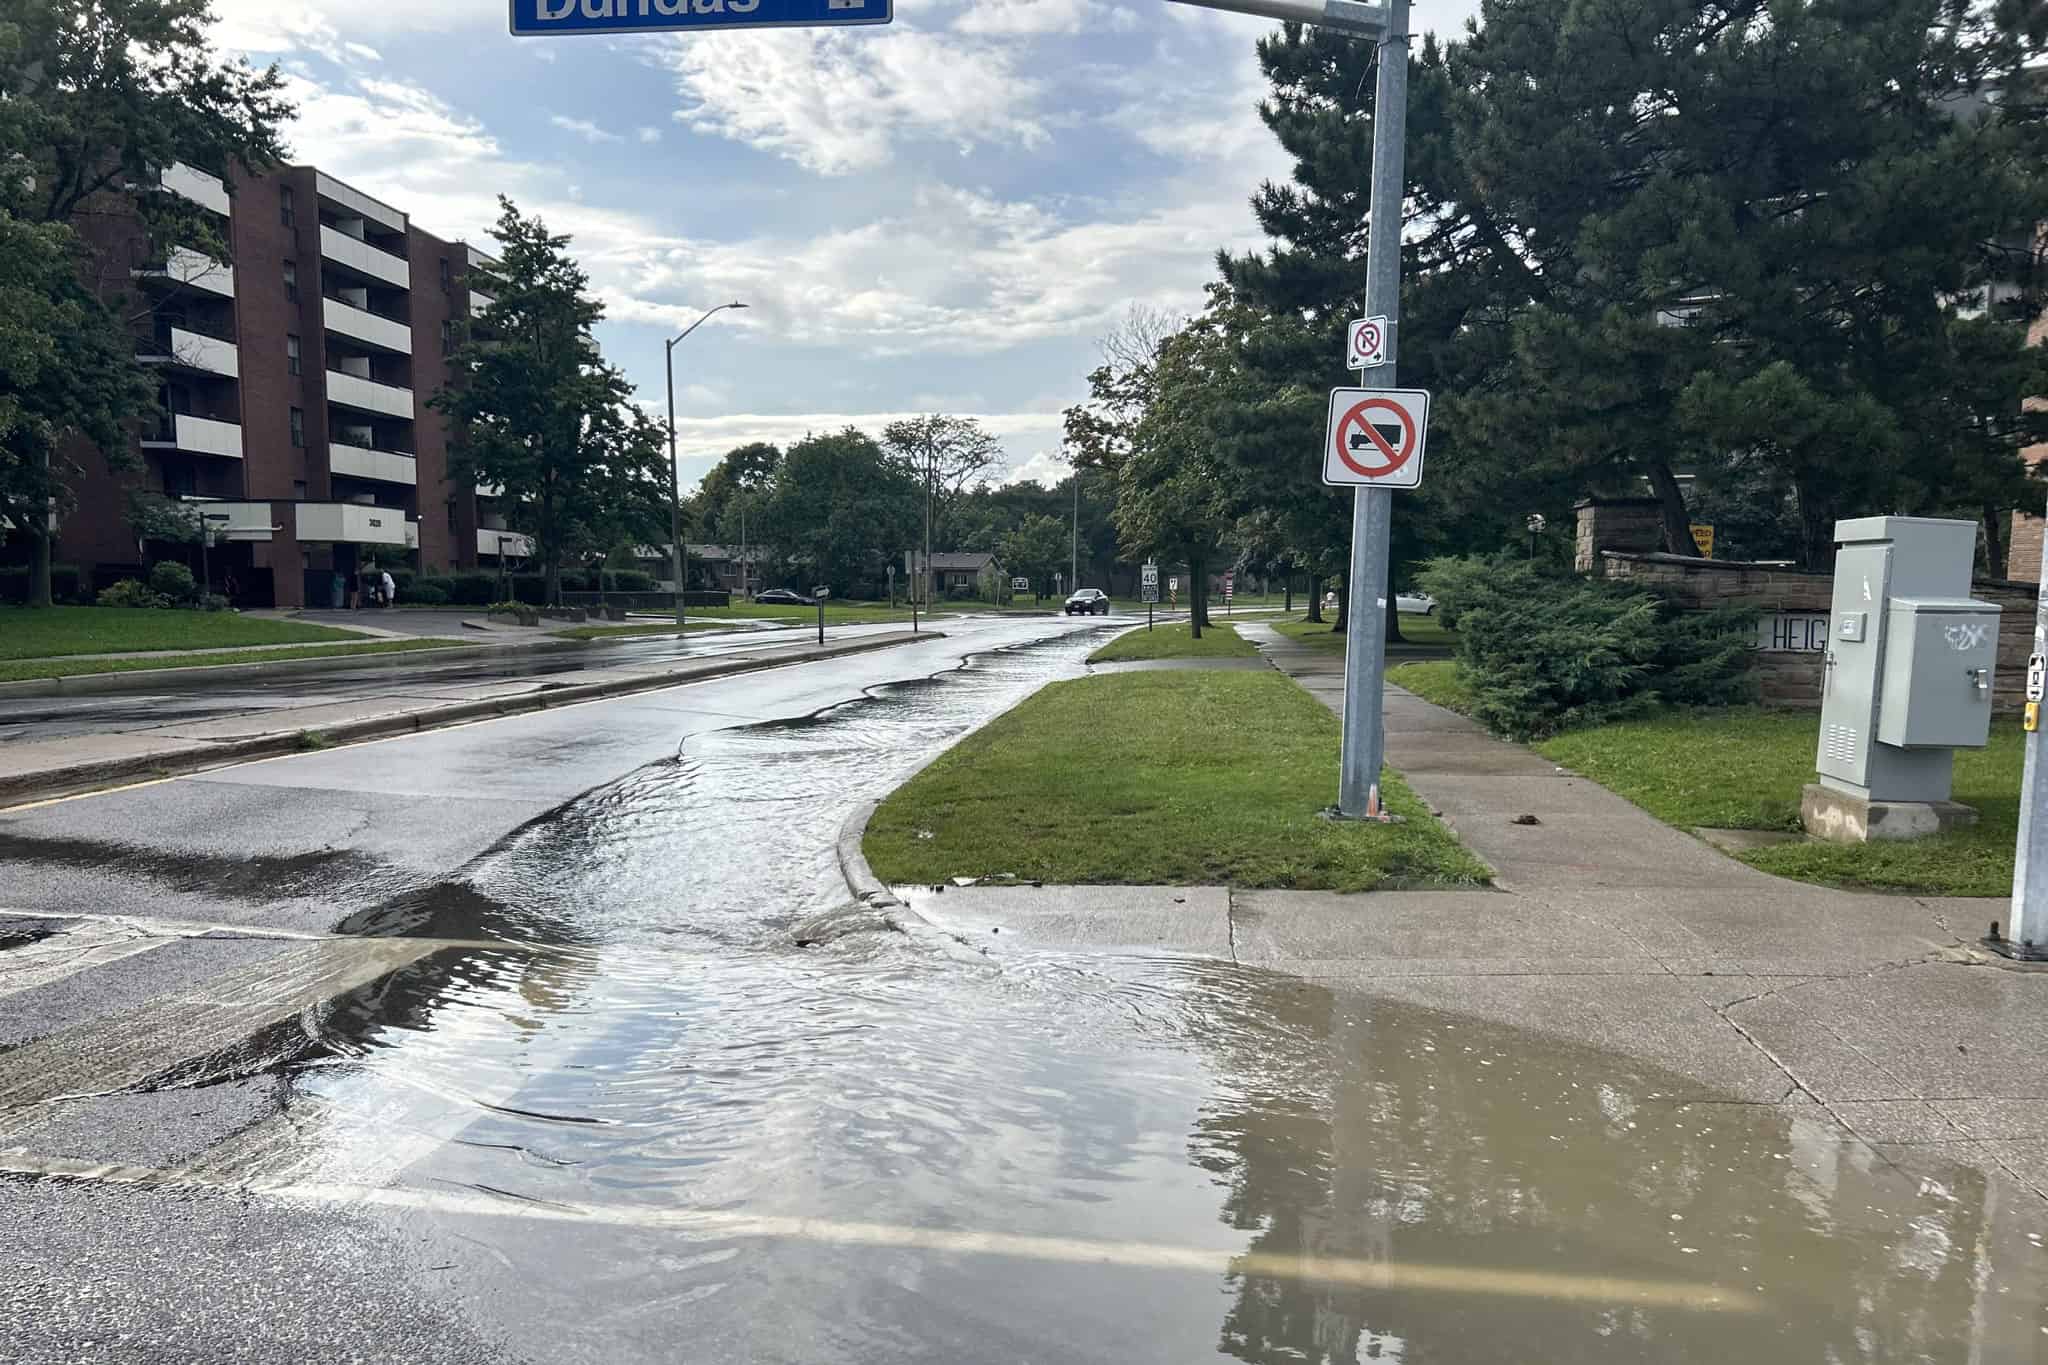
point(872, 892)
point(87, 777)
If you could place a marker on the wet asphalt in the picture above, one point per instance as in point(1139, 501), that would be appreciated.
point(603, 1108)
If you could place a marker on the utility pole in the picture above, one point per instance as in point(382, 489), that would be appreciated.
point(2026, 930)
point(1074, 546)
point(931, 474)
point(1365, 635)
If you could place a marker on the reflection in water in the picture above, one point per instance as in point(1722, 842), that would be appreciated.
point(588, 1127)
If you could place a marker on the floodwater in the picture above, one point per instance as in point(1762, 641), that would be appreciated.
point(624, 1116)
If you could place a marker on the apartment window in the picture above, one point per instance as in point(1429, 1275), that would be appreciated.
point(291, 354)
point(299, 489)
point(284, 206)
point(451, 515)
point(291, 280)
point(447, 336)
point(298, 428)
point(444, 275)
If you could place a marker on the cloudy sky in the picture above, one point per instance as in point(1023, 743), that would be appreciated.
point(943, 214)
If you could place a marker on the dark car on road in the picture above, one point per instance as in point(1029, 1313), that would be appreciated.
point(1088, 601)
point(783, 597)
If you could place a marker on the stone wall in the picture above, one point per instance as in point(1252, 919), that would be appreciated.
point(1625, 524)
point(1788, 598)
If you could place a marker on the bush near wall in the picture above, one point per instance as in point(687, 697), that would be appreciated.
point(68, 583)
point(1545, 650)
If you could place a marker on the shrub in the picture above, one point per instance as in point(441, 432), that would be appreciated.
point(1544, 650)
point(172, 580)
point(473, 588)
point(424, 595)
point(214, 601)
point(130, 592)
point(67, 583)
point(531, 588)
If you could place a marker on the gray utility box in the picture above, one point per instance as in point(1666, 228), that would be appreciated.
point(1908, 668)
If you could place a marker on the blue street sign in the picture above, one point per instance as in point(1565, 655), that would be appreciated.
point(541, 18)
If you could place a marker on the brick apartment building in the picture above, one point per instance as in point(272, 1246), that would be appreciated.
point(292, 395)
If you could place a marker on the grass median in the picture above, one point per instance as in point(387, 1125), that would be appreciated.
point(1157, 778)
point(22, 670)
point(1415, 630)
point(44, 632)
point(1175, 641)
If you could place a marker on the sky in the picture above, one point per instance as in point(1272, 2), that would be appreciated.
point(944, 214)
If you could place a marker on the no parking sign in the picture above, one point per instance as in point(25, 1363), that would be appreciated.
point(1375, 437)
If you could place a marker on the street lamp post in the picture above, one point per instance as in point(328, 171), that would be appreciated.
point(1074, 544)
point(675, 478)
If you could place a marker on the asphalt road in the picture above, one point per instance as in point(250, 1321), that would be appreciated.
point(499, 1043)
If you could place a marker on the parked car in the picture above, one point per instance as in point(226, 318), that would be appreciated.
point(783, 597)
point(1415, 603)
point(1088, 602)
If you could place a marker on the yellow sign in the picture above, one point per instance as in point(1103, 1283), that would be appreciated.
point(1703, 538)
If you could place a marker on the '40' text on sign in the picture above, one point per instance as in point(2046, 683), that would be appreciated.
point(537, 18)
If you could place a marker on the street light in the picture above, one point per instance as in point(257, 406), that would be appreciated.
point(675, 478)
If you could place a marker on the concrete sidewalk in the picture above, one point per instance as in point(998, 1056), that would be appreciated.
point(41, 769)
point(1612, 930)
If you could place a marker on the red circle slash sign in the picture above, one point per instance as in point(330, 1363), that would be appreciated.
point(1383, 456)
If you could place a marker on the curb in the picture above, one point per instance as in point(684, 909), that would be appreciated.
point(87, 777)
point(871, 891)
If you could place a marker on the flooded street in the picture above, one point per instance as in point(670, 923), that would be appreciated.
point(606, 1108)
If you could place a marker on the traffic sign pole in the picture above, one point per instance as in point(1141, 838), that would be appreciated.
point(2026, 930)
point(1372, 512)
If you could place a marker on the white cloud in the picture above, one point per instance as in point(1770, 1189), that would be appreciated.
point(1045, 467)
point(650, 134)
point(268, 26)
point(584, 128)
point(836, 103)
point(705, 439)
point(1016, 18)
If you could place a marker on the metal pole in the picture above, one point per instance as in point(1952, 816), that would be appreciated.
point(931, 472)
point(2028, 919)
point(1365, 636)
point(1074, 545)
point(675, 481)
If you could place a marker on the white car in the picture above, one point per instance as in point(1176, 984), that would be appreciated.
point(1415, 603)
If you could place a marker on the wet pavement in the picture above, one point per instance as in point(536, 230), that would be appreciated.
point(497, 1043)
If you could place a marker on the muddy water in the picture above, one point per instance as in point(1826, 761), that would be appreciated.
point(650, 1127)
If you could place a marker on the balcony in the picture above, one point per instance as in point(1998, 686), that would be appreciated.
point(187, 350)
point(361, 462)
point(196, 185)
point(359, 324)
point(359, 256)
point(387, 399)
point(354, 201)
point(490, 490)
point(478, 301)
point(352, 523)
point(234, 521)
point(195, 435)
point(183, 266)
point(488, 543)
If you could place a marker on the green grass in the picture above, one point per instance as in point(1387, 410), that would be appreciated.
point(1175, 641)
point(1436, 680)
point(1743, 768)
point(1415, 630)
point(22, 670)
point(836, 613)
point(51, 631)
point(1167, 778)
point(663, 628)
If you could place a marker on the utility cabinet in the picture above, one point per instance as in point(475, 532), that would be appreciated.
point(1908, 672)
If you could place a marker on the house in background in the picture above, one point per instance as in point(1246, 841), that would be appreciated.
point(954, 571)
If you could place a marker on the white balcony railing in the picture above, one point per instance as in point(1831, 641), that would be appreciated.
point(353, 200)
point(198, 435)
point(360, 462)
point(492, 543)
point(183, 266)
point(351, 523)
point(359, 255)
point(368, 394)
point(479, 300)
point(210, 355)
point(360, 324)
point(205, 190)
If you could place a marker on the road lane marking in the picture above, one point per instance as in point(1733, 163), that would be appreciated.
point(77, 947)
point(1358, 1272)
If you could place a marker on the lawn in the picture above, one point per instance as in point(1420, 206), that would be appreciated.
point(837, 613)
point(1435, 680)
point(648, 628)
point(21, 670)
point(1743, 769)
point(1415, 630)
point(50, 631)
point(1175, 641)
point(1186, 778)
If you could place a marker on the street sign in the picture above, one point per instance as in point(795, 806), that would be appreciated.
point(1365, 343)
point(1020, 585)
point(1375, 437)
point(1229, 586)
point(1148, 579)
point(1173, 584)
point(1703, 539)
point(546, 18)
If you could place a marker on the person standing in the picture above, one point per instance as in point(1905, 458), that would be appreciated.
point(390, 588)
